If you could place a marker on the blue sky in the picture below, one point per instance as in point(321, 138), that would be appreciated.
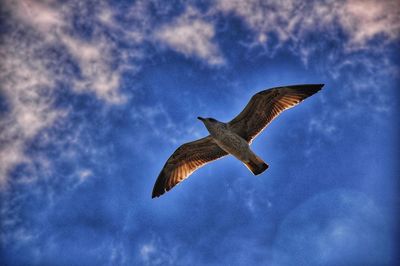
point(94, 97)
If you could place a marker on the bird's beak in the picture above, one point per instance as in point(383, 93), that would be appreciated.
point(200, 118)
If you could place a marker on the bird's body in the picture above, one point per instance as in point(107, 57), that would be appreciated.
point(233, 137)
point(235, 145)
point(226, 139)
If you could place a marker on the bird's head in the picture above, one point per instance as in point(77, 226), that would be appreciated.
point(207, 120)
point(210, 123)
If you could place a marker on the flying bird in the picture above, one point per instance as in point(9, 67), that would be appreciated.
point(233, 137)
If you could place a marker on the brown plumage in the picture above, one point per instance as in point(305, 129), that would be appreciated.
point(184, 161)
point(262, 108)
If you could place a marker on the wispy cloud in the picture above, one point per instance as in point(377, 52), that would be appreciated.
point(292, 21)
point(43, 51)
point(146, 251)
point(157, 252)
point(27, 85)
point(95, 55)
point(365, 20)
point(192, 35)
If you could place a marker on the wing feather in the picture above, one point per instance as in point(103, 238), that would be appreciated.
point(264, 106)
point(184, 161)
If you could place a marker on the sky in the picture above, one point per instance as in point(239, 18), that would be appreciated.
point(96, 95)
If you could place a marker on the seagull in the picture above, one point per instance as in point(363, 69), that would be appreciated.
point(233, 137)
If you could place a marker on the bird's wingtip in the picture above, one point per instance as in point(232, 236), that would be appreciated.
point(156, 194)
point(313, 88)
point(159, 187)
point(316, 86)
point(310, 86)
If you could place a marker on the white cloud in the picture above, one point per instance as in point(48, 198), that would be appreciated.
point(364, 20)
point(42, 16)
point(158, 252)
point(262, 16)
point(31, 71)
point(191, 35)
point(84, 174)
point(27, 87)
point(99, 60)
point(146, 251)
point(291, 20)
point(95, 60)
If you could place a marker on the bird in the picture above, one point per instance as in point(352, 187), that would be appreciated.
point(234, 137)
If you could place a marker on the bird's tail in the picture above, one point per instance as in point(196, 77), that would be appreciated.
point(256, 165)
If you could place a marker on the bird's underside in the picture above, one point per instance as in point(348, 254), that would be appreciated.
point(262, 108)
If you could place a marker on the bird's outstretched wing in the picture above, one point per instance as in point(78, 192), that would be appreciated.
point(184, 161)
point(268, 104)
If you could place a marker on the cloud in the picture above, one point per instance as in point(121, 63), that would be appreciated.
point(365, 20)
point(100, 60)
point(146, 251)
point(193, 36)
point(93, 56)
point(293, 21)
point(41, 16)
point(42, 51)
point(84, 174)
point(157, 252)
point(27, 86)
point(261, 16)
point(95, 60)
